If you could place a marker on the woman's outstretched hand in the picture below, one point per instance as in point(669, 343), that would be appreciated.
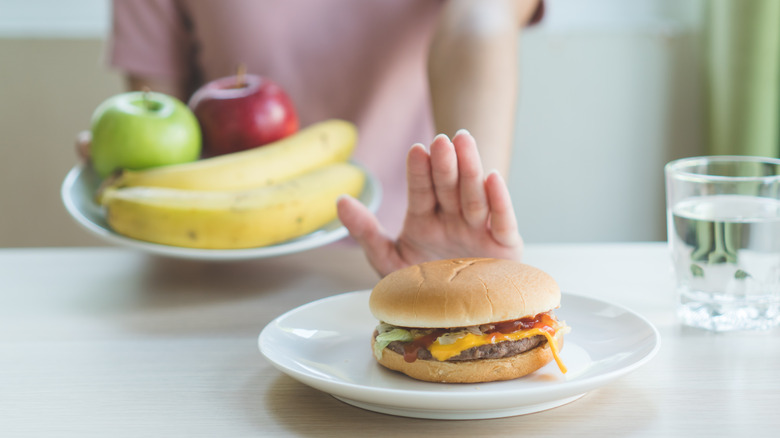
point(454, 211)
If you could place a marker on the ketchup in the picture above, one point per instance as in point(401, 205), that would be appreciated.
point(411, 349)
point(541, 321)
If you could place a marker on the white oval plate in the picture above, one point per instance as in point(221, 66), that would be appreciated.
point(78, 195)
point(326, 345)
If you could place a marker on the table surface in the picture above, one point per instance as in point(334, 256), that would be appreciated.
point(113, 342)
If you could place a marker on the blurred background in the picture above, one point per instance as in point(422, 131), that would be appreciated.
point(610, 91)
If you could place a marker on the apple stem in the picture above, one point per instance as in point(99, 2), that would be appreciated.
point(145, 95)
point(240, 75)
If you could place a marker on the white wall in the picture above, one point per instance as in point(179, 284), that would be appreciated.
point(609, 93)
point(54, 18)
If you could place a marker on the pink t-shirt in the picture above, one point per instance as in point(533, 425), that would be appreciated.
point(359, 60)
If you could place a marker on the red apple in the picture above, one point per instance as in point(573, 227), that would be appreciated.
point(242, 112)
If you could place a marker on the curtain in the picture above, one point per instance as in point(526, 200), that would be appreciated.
point(743, 77)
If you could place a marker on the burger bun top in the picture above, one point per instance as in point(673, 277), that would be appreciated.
point(463, 292)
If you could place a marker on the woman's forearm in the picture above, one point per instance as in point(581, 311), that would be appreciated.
point(473, 73)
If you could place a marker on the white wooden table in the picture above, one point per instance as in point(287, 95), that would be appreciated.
point(109, 342)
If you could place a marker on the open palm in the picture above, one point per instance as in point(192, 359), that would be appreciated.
point(454, 211)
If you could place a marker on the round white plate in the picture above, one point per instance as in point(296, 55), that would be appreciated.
point(326, 345)
point(78, 195)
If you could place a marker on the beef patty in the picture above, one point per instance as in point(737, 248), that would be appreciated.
point(487, 351)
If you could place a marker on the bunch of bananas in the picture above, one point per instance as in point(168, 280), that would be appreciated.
point(246, 199)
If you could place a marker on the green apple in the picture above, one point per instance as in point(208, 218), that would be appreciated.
point(143, 129)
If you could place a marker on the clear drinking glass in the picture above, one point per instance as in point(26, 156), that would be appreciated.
point(723, 225)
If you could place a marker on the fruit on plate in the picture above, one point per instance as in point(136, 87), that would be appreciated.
point(242, 112)
point(232, 219)
point(140, 130)
point(320, 144)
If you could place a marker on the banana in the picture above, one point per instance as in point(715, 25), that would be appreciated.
point(320, 144)
point(232, 219)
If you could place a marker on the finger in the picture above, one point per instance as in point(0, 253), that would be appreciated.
point(422, 199)
point(83, 140)
point(364, 227)
point(473, 201)
point(444, 170)
point(503, 223)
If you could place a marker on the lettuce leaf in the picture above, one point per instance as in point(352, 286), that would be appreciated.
point(452, 337)
point(383, 339)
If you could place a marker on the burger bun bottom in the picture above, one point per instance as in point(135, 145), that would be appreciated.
point(472, 371)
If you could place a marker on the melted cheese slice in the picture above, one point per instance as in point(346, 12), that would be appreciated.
point(444, 352)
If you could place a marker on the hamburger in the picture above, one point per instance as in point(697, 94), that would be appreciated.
point(467, 320)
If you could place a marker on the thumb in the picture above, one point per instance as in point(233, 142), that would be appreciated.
point(364, 227)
